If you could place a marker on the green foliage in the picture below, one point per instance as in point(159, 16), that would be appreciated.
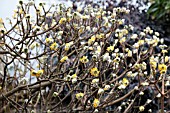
point(159, 9)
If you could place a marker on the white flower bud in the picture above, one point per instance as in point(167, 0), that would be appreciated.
point(100, 91)
point(107, 87)
point(141, 93)
point(134, 36)
point(74, 80)
point(136, 88)
point(96, 110)
point(55, 94)
point(141, 108)
point(148, 101)
point(159, 95)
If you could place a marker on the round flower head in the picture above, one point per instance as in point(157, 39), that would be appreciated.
point(94, 71)
point(110, 48)
point(141, 108)
point(62, 20)
point(84, 59)
point(54, 46)
point(96, 103)
point(79, 95)
point(68, 45)
point(153, 64)
point(100, 91)
point(162, 68)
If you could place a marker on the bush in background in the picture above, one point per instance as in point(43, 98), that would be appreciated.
point(159, 10)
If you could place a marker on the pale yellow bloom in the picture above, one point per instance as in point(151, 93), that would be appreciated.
point(162, 68)
point(100, 36)
point(48, 40)
point(55, 94)
point(68, 45)
point(27, 16)
point(79, 95)
point(94, 71)
point(129, 54)
point(166, 59)
point(21, 11)
point(84, 59)
point(60, 33)
point(125, 31)
point(94, 81)
point(64, 59)
point(54, 46)
point(164, 51)
point(96, 103)
point(107, 87)
point(153, 64)
point(122, 40)
point(100, 91)
point(125, 81)
point(92, 40)
point(62, 20)
point(117, 59)
point(39, 9)
point(74, 76)
point(141, 108)
point(110, 48)
point(134, 36)
point(141, 42)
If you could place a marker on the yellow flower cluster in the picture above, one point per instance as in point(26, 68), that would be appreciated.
point(95, 81)
point(110, 48)
point(48, 40)
point(62, 20)
point(79, 95)
point(84, 59)
point(54, 46)
point(96, 103)
point(94, 71)
point(64, 59)
point(92, 40)
point(166, 59)
point(37, 73)
point(74, 76)
point(100, 36)
point(124, 83)
point(107, 87)
point(141, 42)
point(153, 64)
point(162, 68)
point(68, 45)
point(141, 108)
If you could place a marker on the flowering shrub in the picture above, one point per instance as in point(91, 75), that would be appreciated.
point(82, 60)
